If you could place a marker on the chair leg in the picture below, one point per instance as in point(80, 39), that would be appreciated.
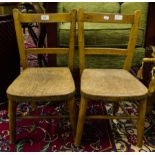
point(72, 114)
point(81, 119)
point(141, 122)
point(34, 105)
point(115, 108)
point(150, 102)
point(12, 121)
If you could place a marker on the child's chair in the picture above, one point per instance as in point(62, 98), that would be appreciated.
point(110, 85)
point(42, 84)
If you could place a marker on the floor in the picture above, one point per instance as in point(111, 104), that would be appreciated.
point(114, 136)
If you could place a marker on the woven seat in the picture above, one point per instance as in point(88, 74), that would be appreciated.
point(46, 83)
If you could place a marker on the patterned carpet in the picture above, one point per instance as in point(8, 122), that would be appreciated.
point(53, 134)
point(56, 135)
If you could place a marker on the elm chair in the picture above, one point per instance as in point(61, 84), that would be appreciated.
point(46, 83)
point(110, 85)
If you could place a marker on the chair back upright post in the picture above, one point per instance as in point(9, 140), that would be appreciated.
point(20, 18)
point(107, 18)
point(132, 40)
point(81, 41)
point(72, 39)
point(20, 40)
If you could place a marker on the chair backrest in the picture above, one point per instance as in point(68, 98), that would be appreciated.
point(20, 18)
point(85, 17)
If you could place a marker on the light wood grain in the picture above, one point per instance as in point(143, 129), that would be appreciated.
point(141, 122)
point(105, 51)
point(12, 120)
point(102, 18)
point(109, 85)
point(54, 17)
point(81, 42)
point(20, 18)
point(81, 120)
point(20, 40)
point(132, 40)
point(72, 114)
point(84, 17)
point(42, 84)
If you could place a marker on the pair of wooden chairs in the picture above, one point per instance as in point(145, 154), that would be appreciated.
point(56, 83)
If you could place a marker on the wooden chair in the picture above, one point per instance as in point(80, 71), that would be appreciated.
point(110, 85)
point(46, 83)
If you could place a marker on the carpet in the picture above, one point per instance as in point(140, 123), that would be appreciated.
point(124, 132)
point(54, 134)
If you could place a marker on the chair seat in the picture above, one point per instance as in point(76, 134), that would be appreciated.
point(111, 85)
point(42, 83)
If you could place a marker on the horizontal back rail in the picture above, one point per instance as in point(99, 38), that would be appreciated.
point(107, 18)
point(45, 18)
point(105, 51)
